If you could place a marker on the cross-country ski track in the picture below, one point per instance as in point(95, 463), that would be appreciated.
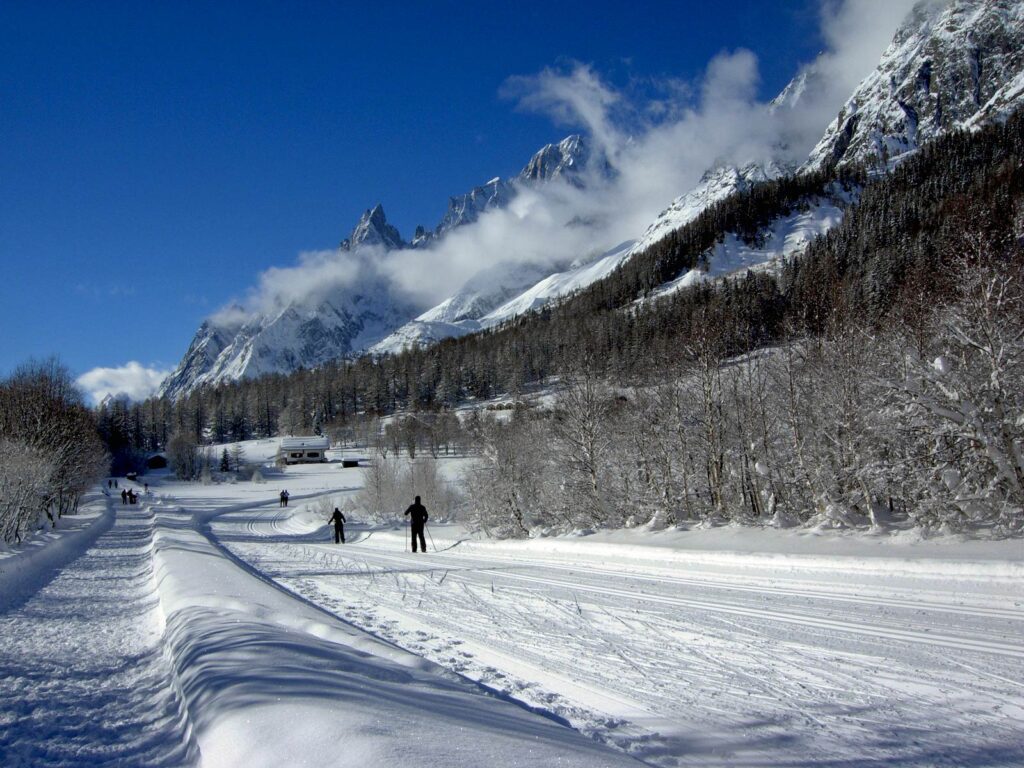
point(706, 665)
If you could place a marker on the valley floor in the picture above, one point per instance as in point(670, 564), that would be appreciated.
point(213, 626)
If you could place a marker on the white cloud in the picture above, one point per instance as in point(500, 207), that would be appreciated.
point(131, 379)
point(316, 274)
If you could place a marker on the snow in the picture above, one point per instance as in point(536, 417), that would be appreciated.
point(212, 626)
point(449, 318)
point(716, 185)
point(786, 237)
point(83, 676)
point(558, 285)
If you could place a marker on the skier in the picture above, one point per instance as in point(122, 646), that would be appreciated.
point(339, 526)
point(280, 499)
point(418, 517)
point(286, 495)
point(131, 496)
point(124, 496)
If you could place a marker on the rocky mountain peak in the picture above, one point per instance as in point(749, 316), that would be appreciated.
point(373, 229)
point(565, 160)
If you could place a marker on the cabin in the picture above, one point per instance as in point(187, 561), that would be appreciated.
point(156, 461)
point(303, 450)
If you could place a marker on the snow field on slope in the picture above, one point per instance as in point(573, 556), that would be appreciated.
point(786, 237)
point(776, 646)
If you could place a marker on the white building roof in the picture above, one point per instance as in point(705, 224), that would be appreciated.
point(313, 443)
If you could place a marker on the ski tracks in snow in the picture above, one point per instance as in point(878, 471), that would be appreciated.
point(84, 679)
point(694, 668)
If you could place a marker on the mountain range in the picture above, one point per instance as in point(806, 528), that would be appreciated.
point(954, 65)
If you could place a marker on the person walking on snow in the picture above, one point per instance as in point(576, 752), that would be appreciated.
point(124, 496)
point(339, 526)
point(418, 517)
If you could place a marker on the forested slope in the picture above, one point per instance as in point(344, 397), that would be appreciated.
point(918, 258)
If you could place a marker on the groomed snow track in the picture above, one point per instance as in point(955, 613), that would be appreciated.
point(731, 660)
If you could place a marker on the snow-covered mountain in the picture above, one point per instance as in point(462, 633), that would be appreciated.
point(294, 336)
point(717, 184)
point(465, 209)
point(352, 319)
point(564, 160)
point(950, 65)
point(487, 300)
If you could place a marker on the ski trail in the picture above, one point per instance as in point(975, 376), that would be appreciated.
point(83, 675)
point(694, 668)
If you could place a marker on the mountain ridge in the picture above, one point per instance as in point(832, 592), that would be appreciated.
point(922, 69)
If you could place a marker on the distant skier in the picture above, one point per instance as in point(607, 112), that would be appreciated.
point(286, 496)
point(280, 499)
point(339, 526)
point(124, 496)
point(418, 517)
point(131, 496)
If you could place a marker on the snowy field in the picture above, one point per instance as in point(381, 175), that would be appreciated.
point(211, 626)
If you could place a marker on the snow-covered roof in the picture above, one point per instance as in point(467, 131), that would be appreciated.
point(305, 443)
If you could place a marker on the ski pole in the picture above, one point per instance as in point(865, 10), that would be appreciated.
point(431, 538)
point(407, 537)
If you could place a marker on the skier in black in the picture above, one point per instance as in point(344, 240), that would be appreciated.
point(418, 517)
point(124, 496)
point(339, 526)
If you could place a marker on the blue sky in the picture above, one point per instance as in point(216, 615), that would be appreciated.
point(156, 157)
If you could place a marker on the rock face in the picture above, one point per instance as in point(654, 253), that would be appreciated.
point(373, 230)
point(950, 65)
point(465, 209)
point(564, 160)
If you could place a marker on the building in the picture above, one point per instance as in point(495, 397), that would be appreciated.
point(304, 450)
point(156, 461)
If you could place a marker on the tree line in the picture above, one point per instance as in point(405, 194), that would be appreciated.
point(860, 426)
point(50, 449)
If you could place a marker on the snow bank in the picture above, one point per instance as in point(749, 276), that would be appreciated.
point(270, 680)
point(24, 569)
